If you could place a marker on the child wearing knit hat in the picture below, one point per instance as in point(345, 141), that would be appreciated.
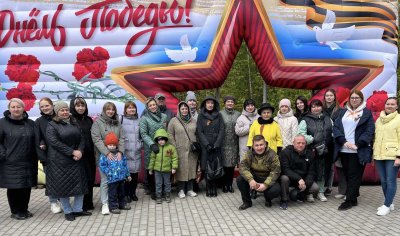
point(117, 172)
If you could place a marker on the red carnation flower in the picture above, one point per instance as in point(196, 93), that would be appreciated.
point(376, 103)
point(23, 68)
point(93, 62)
point(24, 92)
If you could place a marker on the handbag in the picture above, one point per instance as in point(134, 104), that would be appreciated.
point(194, 146)
point(214, 167)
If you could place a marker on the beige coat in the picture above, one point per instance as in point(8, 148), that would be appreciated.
point(387, 136)
point(177, 137)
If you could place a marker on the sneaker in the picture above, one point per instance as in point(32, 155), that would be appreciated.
point(128, 199)
point(283, 205)
point(322, 197)
point(328, 192)
point(345, 206)
point(383, 210)
point(159, 200)
point(125, 207)
point(190, 193)
point(19, 216)
point(340, 196)
point(134, 198)
point(55, 208)
point(310, 198)
point(70, 217)
point(115, 211)
point(244, 206)
point(391, 207)
point(82, 213)
point(105, 210)
point(168, 197)
point(181, 194)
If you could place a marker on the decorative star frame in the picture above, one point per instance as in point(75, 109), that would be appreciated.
point(245, 20)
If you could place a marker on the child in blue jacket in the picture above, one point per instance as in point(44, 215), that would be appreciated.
point(115, 167)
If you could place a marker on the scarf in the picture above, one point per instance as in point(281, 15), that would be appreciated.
point(261, 121)
point(357, 113)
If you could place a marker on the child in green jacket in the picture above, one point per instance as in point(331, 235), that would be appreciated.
point(163, 163)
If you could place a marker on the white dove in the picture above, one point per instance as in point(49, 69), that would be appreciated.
point(187, 54)
point(330, 36)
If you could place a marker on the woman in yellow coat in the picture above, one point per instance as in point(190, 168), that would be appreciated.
point(387, 152)
point(267, 127)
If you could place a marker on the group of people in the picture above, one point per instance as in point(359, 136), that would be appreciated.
point(291, 155)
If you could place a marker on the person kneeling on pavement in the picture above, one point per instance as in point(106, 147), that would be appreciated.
point(298, 171)
point(259, 170)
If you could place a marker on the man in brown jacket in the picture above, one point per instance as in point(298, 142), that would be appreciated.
point(259, 170)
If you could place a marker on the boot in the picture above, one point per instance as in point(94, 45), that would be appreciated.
point(215, 189)
point(225, 189)
point(208, 189)
point(158, 198)
point(168, 197)
point(230, 189)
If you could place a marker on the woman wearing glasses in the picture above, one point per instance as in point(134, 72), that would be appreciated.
point(353, 132)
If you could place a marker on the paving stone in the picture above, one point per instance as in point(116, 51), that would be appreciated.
point(209, 216)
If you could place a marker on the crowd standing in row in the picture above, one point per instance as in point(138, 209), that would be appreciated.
point(292, 155)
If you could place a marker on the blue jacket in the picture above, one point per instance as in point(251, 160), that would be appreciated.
point(364, 135)
point(115, 170)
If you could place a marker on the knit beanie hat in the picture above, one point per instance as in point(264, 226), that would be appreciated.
point(229, 97)
point(111, 138)
point(59, 105)
point(190, 96)
point(285, 102)
point(248, 102)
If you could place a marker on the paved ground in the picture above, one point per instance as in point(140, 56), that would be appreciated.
point(209, 216)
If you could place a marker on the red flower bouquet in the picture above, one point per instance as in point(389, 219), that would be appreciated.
point(91, 62)
point(24, 92)
point(23, 68)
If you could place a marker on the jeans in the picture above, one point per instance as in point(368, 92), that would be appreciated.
point(162, 178)
point(388, 175)
point(116, 195)
point(103, 188)
point(186, 184)
point(320, 171)
point(77, 206)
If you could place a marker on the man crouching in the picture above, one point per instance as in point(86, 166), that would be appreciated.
point(259, 170)
point(298, 171)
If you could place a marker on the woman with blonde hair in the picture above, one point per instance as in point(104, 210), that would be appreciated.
point(387, 152)
point(18, 161)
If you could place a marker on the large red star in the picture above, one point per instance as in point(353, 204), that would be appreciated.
point(245, 20)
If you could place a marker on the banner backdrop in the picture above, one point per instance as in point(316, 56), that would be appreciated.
point(131, 49)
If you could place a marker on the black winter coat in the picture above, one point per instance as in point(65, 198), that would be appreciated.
point(65, 177)
point(298, 166)
point(85, 123)
point(40, 139)
point(18, 160)
point(364, 135)
point(210, 131)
